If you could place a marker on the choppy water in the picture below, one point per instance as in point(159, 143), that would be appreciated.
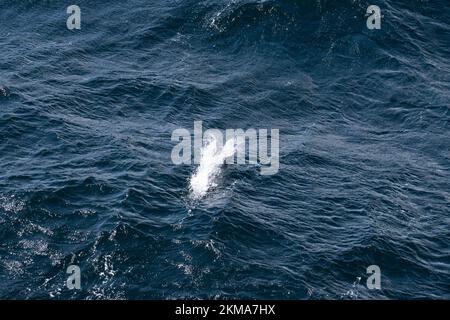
point(85, 171)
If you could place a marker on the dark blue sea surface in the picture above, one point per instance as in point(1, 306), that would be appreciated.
point(86, 176)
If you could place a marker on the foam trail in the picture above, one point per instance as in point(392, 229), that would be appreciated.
point(211, 161)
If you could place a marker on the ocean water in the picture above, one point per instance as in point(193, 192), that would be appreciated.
point(86, 176)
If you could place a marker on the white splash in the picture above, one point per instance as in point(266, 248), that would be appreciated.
point(213, 156)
